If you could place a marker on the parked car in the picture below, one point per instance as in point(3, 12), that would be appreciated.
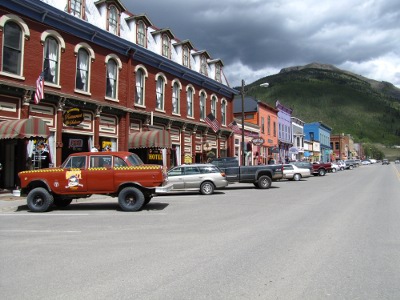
point(204, 178)
point(366, 162)
point(385, 162)
point(292, 172)
point(341, 164)
point(302, 164)
point(350, 164)
point(335, 167)
point(397, 161)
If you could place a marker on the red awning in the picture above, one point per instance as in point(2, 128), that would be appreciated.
point(25, 128)
point(149, 139)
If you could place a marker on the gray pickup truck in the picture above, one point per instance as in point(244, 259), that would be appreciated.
point(260, 175)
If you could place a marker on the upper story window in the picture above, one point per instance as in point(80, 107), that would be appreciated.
point(111, 86)
point(12, 48)
point(51, 60)
point(82, 70)
point(223, 112)
point(77, 8)
point(165, 45)
point(218, 72)
point(84, 55)
point(160, 92)
point(113, 64)
point(190, 94)
point(141, 34)
point(186, 57)
point(262, 125)
point(53, 44)
point(14, 33)
point(113, 20)
point(275, 129)
point(203, 65)
point(140, 84)
point(202, 105)
point(214, 105)
point(269, 125)
point(176, 89)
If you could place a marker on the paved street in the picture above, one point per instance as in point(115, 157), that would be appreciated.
point(332, 237)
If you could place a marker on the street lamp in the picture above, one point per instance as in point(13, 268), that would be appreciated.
point(265, 84)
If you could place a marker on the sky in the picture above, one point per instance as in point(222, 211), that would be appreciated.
point(258, 38)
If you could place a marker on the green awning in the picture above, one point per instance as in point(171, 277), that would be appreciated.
point(149, 139)
point(24, 128)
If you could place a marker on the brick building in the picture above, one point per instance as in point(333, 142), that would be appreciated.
point(112, 80)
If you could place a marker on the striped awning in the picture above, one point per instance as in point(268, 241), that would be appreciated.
point(25, 128)
point(149, 139)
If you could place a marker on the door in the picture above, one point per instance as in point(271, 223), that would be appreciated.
point(101, 174)
point(192, 178)
point(175, 176)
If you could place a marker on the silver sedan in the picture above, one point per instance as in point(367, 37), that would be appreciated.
point(204, 178)
point(295, 173)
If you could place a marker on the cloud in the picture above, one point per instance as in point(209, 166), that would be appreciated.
point(255, 38)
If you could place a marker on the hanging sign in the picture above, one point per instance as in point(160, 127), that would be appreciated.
point(73, 117)
point(257, 141)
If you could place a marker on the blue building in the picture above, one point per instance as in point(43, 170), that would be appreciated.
point(319, 132)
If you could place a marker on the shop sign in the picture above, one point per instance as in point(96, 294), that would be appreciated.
point(188, 159)
point(73, 117)
point(154, 155)
point(257, 141)
point(75, 143)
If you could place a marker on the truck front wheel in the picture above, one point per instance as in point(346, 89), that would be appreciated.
point(130, 199)
point(264, 182)
point(39, 200)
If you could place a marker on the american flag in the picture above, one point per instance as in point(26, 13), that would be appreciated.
point(213, 122)
point(39, 93)
point(234, 126)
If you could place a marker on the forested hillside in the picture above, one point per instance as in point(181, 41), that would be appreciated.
point(348, 103)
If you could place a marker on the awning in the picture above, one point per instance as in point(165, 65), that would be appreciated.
point(25, 128)
point(149, 139)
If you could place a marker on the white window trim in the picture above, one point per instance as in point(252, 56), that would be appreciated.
point(163, 94)
point(91, 59)
point(61, 48)
point(26, 36)
point(146, 75)
point(179, 98)
point(205, 104)
point(119, 65)
point(189, 86)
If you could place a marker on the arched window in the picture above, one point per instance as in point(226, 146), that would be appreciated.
point(82, 70)
point(111, 81)
point(160, 91)
point(223, 112)
point(214, 105)
point(141, 34)
point(176, 98)
point(186, 60)
point(165, 45)
point(190, 94)
point(76, 8)
point(12, 48)
point(113, 20)
point(139, 97)
point(51, 60)
point(203, 65)
point(202, 106)
point(218, 72)
point(15, 32)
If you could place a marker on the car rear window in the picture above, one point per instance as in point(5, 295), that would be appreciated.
point(209, 169)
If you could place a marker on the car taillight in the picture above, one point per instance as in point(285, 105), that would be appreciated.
point(223, 174)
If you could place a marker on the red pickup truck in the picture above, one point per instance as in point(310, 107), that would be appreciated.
point(320, 168)
point(116, 174)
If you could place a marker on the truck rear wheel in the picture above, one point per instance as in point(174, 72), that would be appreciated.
point(321, 172)
point(130, 199)
point(264, 182)
point(39, 200)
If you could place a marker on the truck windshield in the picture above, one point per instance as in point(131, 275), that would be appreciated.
point(135, 160)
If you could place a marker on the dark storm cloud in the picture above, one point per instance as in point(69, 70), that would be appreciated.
point(257, 38)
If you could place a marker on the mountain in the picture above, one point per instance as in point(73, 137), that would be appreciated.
point(348, 103)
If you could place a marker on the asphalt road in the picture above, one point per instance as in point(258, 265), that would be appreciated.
point(332, 237)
